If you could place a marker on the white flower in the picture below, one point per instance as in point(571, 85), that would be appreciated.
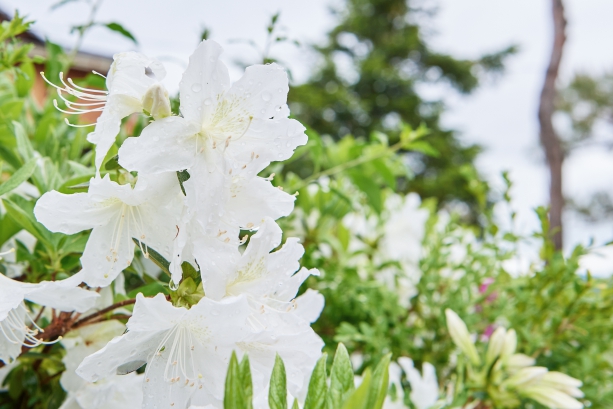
point(405, 228)
point(280, 322)
point(63, 295)
point(133, 86)
point(114, 392)
point(186, 351)
point(424, 389)
point(225, 137)
point(117, 213)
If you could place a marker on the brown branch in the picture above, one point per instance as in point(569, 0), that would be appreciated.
point(548, 136)
point(103, 311)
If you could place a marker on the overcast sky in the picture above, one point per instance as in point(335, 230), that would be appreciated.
point(501, 116)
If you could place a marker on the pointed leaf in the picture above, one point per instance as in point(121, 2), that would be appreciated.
point(295, 404)
point(246, 382)
point(341, 378)
point(316, 395)
point(154, 256)
point(233, 396)
point(277, 394)
point(358, 399)
point(20, 176)
point(118, 28)
point(24, 147)
point(379, 384)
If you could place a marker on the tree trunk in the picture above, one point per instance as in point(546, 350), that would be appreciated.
point(548, 136)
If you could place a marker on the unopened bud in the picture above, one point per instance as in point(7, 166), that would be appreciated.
point(551, 397)
point(518, 361)
point(156, 102)
point(564, 383)
point(495, 345)
point(525, 376)
point(461, 337)
point(510, 344)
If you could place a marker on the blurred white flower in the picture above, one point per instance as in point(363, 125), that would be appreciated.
point(424, 388)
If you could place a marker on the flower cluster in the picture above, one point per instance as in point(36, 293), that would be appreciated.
point(196, 188)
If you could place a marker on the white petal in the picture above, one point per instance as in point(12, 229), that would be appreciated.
point(204, 81)
point(109, 122)
point(132, 347)
point(70, 214)
point(309, 305)
point(217, 260)
point(129, 74)
point(256, 199)
point(108, 251)
point(265, 141)
point(57, 295)
point(261, 92)
point(12, 334)
point(165, 145)
point(154, 314)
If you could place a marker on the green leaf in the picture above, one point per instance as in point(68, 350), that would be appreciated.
point(423, 147)
point(8, 228)
point(149, 290)
point(246, 382)
point(316, 395)
point(358, 399)
point(118, 28)
point(369, 187)
point(233, 395)
point(154, 256)
point(21, 210)
point(112, 163)
point(295, 404)
point(277, 394)
point(22, 174)
point(341, 378)
point(380, 382)
point(24, 147)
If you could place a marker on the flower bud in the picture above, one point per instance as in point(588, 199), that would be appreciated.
point(526, 376)
point(551, 397)
point(518, 361)
point(156, 102)
point(461, 337)
point(510, 344)
point(563, 382)
point(495, 345)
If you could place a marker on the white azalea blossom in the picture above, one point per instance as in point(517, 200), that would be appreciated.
point(225, 137)
point(186, 351)
point(117, 214)
point(133, 84)
point(15, 320)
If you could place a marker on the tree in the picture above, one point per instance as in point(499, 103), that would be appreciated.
point(373, 62)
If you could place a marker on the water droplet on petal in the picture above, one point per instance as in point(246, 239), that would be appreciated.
point(196, 87)
point(266, 96)
point(208, 101)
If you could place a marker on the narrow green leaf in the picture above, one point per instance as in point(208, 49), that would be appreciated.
point(154, 256)
point(341, 378)
point(358, 399)
point(20, 176)
point(277, 394)
point(316, 395)
point(112, 163)
point(233, 396)
point(246, 382)
point(295, 404)
point(380, 382)
point(21, 211)
point(24, 147)
point(118, 28)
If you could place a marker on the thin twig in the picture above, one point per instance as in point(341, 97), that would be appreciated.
point(103, 311)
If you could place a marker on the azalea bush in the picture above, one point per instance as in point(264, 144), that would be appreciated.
point(153, 258)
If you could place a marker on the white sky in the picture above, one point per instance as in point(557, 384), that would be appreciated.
point(501, 116)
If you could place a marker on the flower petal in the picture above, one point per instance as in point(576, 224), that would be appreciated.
point(256, 199)
point(108, 251)
point(132, 347)
point(70, 214)
point(163, 146)
point(204, 81)
point(154, 314)
point(260, 93)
